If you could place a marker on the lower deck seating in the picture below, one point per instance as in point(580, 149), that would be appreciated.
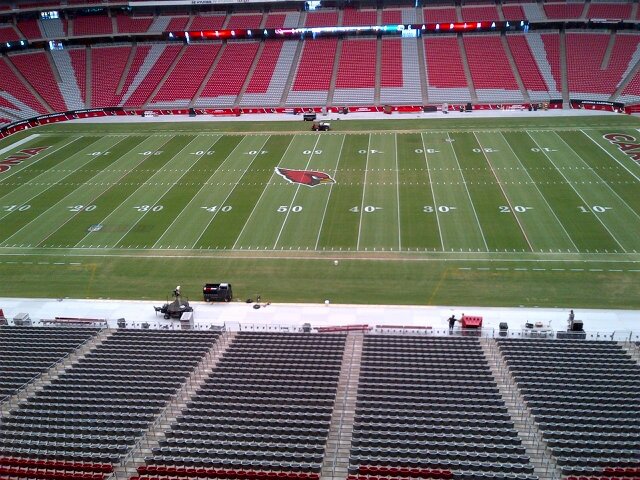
point(17, 100)
point(527, 66)
point(356, 75)
point(446, 79)
point(96, 410)
point(430, 408)
point(584, 397)
point(270, 75)
point(26, 352)
point(230, 74)
point(48, 469)
point(490, 70)
point(265, 408)
point(186, 77)
point(313, 73)
point(319, 71)
point(36, 67)
point(590, 73)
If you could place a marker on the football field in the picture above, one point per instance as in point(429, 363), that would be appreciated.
point(511, 199)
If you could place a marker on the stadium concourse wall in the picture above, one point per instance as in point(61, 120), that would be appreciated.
point(236, 112)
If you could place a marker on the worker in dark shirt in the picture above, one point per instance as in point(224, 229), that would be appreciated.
point(452, 322)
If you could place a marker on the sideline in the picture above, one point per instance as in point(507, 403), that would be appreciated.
point(274, 317)
point(18, 143)
point(283, 117)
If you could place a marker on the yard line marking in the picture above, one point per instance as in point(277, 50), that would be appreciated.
point(541, 195)
point(59, 201)
point(18, 143)
point(364, 186)
point(464, 181)
point(266, 186)
point(41, 158)
point(601, 179)
point(433, 195)
point(513, 212)
point(124, 174)
point(611, 155)
point(215, 214)
point(577, 193)
point(141, 185)
point(144, 214)
point(326, 205)
point(295, 194)
point(395, 139)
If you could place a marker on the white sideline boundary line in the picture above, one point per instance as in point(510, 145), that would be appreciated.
point(18, 143)
point(266, 255)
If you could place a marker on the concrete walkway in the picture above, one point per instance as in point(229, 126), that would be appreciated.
point(274, 317)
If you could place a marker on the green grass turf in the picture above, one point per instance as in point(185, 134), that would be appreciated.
point(540, 211)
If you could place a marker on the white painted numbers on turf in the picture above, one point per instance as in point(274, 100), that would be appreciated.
point(517, 208)
point(225, 208)
point(82, 208)
point(594, 208)
point(16, 208)
point(441, 209)
point(485, 150)
point(149, 208)
point(367, 209)
point(285, 208)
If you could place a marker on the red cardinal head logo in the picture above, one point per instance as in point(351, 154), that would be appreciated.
point(311, 178)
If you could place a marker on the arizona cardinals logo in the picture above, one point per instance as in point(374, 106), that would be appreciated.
point(310, 178)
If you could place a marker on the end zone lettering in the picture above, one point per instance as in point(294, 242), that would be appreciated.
point(626, 143)
point(19, 157)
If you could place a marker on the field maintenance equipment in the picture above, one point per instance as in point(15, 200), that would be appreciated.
point(217, 292)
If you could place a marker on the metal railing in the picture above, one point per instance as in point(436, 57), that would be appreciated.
point(347, 390)
point(166, 416)
point(528, 427)
point(14, 399)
